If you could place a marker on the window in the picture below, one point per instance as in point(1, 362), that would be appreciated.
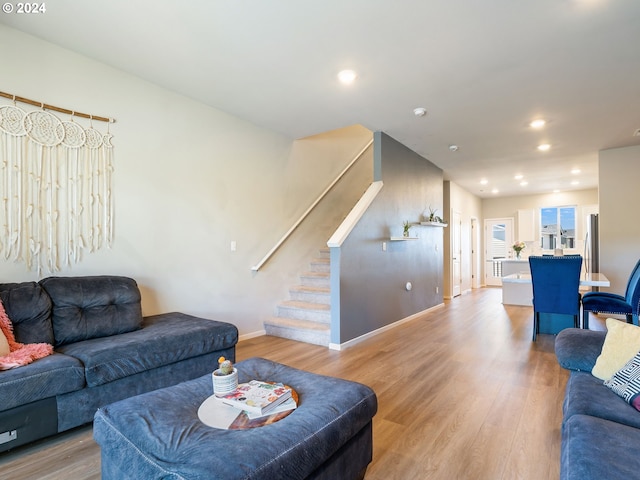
point(558, 227)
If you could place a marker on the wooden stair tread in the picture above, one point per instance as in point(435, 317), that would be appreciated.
point(305, 305)
point(310, 289)
point(298, 324)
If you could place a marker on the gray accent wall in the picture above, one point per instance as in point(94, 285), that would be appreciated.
point(372, 281)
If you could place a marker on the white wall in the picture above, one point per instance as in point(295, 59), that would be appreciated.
point(188, 180)
point(585, 200)
point(619, 173)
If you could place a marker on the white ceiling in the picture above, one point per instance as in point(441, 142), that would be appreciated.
point(482, 68)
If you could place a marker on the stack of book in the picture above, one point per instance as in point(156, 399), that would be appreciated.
point(258, 398)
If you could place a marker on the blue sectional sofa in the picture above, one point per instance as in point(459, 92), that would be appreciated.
point(104, 351)
point(600, 430)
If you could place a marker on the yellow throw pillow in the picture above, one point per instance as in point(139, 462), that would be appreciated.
point(4, 345)
point(620, 345)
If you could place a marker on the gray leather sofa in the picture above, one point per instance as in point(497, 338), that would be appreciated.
point(105, 351)
point(600, 430)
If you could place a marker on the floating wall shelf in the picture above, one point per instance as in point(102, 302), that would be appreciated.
point(434, 224)
point(402, 239)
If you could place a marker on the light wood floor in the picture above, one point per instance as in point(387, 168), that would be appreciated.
point(463, 393)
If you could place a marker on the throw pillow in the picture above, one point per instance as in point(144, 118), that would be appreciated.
point(626, 382)
point(620, 345)
point(4, 345)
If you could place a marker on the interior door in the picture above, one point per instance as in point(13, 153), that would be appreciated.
point(456, 251)
point(498, 238)
point(475, 253)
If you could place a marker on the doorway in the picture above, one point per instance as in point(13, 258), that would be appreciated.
point(475, 253)
point(456, 254)
point(498, 239)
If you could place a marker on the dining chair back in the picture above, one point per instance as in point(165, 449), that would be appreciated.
point(556, 282)
point(615, 304)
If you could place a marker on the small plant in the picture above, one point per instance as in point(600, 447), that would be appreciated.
point(432, 214)
point(433, 217)
point(406, 225)
point(225, 366)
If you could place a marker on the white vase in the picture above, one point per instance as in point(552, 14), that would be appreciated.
point(224, 384)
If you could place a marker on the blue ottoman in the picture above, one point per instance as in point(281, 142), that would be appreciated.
point(158, 435)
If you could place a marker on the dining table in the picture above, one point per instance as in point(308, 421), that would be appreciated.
point(517, 289)
point(587, 279)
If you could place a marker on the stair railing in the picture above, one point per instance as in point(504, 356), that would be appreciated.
point(284, 238)
point(356, 213)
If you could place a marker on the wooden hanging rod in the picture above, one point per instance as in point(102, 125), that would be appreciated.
point(45, 106)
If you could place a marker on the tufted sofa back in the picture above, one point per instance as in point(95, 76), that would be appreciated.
point(29, 308)
point(92, 307)
point(62, 310)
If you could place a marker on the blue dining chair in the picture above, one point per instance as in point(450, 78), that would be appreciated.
point(556, 281)
point(612, 303)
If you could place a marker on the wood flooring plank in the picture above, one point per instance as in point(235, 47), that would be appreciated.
point(463, 393)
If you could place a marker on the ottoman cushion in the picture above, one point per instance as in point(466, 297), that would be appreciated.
point(159, 435)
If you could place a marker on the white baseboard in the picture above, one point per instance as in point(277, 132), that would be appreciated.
point(340, 346)
point(247, 336)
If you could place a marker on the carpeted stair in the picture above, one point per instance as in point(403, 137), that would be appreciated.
point(306, 316)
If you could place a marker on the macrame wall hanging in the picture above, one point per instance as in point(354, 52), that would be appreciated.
point(55, 186)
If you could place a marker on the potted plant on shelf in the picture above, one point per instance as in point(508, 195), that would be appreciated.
point(433, 218)
point(406, 226)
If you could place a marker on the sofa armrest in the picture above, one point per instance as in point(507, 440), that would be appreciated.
point(578, 349)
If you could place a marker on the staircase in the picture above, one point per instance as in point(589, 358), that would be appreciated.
point(306, 316)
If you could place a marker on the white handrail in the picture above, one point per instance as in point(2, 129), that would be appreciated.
point(257, 267)
point(355, 214)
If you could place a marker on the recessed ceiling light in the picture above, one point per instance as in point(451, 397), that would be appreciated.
point(453, 148)
point(556, 191)
point(484, 181)
point(575, 182)
point(537, 123)
point(519, 176)
point(347, 77)
point(575, 171)
point(544, 147)
point(524, 183)
point(495, 190)
point(420, 112)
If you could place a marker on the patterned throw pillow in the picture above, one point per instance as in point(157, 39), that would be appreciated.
point(626, 382)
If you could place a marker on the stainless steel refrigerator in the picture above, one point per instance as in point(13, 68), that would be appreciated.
point(591, 247)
